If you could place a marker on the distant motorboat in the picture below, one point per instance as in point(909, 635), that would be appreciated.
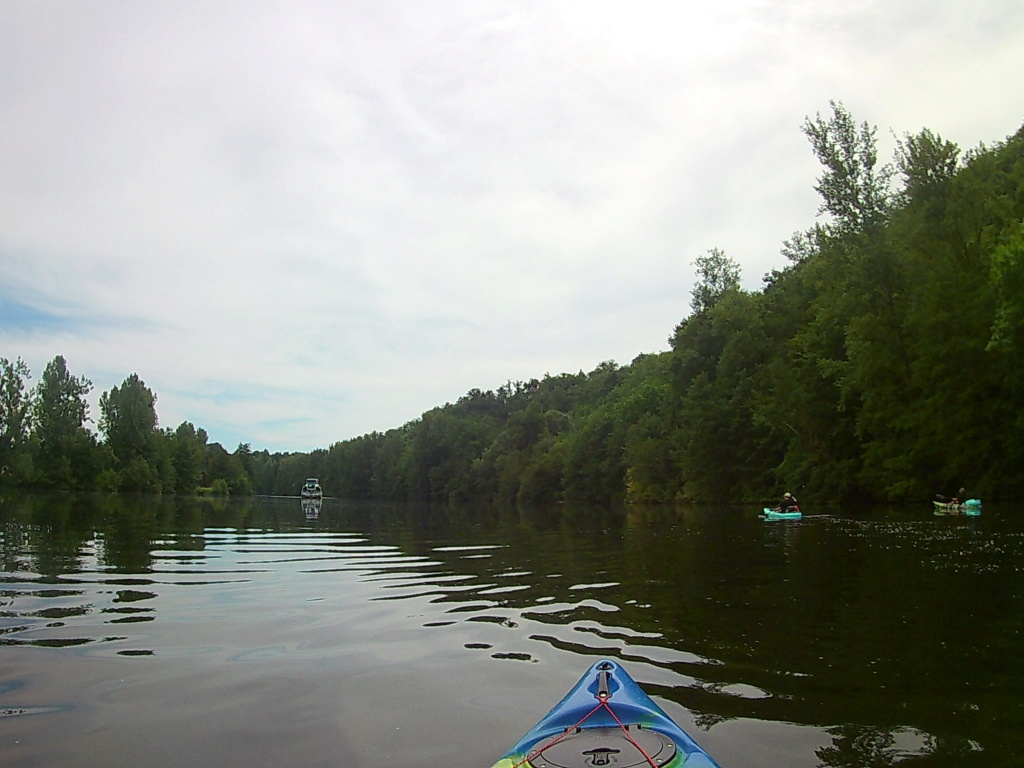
point(311, 489)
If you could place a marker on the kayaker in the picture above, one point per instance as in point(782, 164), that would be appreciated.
point(960, 497)
point(788, 503)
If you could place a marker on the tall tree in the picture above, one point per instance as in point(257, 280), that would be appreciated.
point(66, 451)
point(188, 449)
point(14, 416)
point(927, 161)
point(128, 419)
point(717, 274)
point(854, 189)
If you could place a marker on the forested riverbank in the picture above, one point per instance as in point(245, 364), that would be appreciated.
point(884, 362)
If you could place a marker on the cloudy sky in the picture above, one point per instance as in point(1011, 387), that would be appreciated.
point(303, 221)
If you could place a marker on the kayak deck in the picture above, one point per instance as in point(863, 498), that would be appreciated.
point(969, 507)
point(606, 719)
point(774, 514)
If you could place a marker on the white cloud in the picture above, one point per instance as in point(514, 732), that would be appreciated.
point(305, 221)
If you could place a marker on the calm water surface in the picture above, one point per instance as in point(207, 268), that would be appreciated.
point(169, 632)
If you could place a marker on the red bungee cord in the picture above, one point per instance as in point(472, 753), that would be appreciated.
point(602, 703)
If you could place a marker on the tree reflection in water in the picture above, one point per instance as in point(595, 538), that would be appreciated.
point(792, 628)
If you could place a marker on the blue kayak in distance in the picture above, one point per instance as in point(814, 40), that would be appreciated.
point(774, 514)
point(606, 719)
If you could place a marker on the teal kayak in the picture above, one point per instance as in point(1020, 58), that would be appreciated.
point(774, 514)
point(606, 719)
point(969, 507)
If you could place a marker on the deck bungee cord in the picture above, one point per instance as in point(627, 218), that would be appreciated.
point(606, 719)
point(603, 695)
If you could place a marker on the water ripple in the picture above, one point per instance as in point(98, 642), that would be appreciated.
point(753, 627)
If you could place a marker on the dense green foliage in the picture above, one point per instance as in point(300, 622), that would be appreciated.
point(45, 441)
point(885, 362)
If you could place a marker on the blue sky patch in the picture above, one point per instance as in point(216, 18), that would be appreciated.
point(13, 314)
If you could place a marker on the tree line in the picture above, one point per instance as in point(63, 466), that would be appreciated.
point(45, 442)
point(884, 362)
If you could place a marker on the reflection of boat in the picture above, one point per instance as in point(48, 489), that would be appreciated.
point(311, 489)
point(775, 514)
point(969, 507)
point(606, 719)
point(311, 507)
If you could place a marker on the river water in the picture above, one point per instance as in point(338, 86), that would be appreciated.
point(168, 632)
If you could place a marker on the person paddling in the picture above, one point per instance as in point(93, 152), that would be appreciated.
point(788, 503)
point(960, 498)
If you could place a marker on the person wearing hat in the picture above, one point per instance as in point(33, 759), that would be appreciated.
point(788, 503)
